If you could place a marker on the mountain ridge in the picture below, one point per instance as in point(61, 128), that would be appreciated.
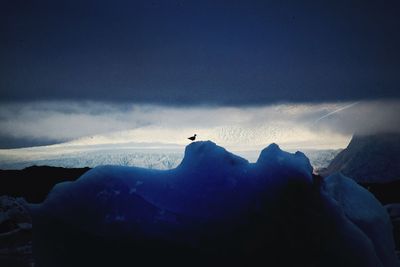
point(369, 159)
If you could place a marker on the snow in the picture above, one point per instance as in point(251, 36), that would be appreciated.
point(214, 187)
point(371, 158)
point(165, 158)
point(146, 155)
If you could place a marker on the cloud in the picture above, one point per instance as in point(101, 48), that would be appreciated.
point(291, 125)
point(364, 118)
point(196, 52)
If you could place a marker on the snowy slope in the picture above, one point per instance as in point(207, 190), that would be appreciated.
point(369, 159)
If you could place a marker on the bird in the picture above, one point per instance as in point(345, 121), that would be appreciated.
point(193, 137)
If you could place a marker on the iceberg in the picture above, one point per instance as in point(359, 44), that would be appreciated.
point(365, 216)
point(214, 208)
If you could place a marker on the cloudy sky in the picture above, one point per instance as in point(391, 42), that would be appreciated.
point(230, 70)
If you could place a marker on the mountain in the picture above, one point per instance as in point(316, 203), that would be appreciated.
point(369, 159)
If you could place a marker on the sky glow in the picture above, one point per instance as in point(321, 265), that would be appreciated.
point(293, 126)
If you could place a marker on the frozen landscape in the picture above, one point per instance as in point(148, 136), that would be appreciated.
point(213, 208)
point(199, 133)
point(152, 156)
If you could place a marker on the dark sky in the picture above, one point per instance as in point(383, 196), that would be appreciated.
point(195, 52)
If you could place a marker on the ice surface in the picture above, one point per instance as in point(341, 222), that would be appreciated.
point(364, 211)
point(297, 164)
point(220, 206)
point(393, 210)
point(151, 156)
point(93, 156)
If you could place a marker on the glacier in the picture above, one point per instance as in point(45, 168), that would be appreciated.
point(161, 156)
point(91, 156)
point(214, 208)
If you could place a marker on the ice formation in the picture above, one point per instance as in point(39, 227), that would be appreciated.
point(365, 214)
point(214, 208)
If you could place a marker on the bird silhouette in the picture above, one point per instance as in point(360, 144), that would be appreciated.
point(193, 137)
